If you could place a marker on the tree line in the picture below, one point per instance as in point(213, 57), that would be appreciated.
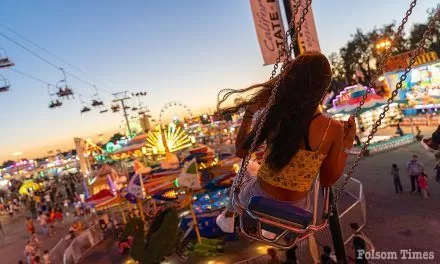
point(357, 61)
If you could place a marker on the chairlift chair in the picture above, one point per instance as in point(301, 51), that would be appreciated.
point(4, 84)
point(85, 109)
point(102, 109)
point(63, 89)
point(96, 99)
point(55, 103)
point(96, 103)
point(5, 62)
point(85, 106)
point(54, 100)
point(115, 108)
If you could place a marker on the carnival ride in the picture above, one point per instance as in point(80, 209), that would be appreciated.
point(168, 107)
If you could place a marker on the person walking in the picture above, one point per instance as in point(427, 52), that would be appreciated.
point(28, 252)
point(396, 178)
point(361, 244)
point(1, 228)
point(423, 185)
point(43, 224)
point(437, 170)
point(30, 226)
point(328, 257)
point(414, 168)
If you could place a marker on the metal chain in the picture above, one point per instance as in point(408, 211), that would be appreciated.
point(384, 58)
point(426, 35)
point(294, 34)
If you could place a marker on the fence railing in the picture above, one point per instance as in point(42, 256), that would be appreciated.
point(77, 247)
point(352, 209)
point(386, 145)
point(57, 253)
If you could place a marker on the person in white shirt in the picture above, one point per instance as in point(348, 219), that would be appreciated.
point(48, 199)
point(43, 224)
point(46, 257)
point(29, 251)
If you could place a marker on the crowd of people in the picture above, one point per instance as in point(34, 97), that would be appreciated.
point(47, 206)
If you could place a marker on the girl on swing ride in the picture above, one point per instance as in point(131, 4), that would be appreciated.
point(301, 142)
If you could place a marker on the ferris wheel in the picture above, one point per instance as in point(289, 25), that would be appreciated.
point(174, 111)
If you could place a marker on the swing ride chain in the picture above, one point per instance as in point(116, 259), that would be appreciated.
point(427, 34)
point(271, 100)
point(384, 58)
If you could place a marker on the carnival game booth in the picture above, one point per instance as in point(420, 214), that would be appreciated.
point(134, 148)
point(105, 178)
point(346, 103)
point(102, 200)
point(419, 96)
point(348, 100)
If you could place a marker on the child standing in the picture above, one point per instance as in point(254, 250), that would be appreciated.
point(396, 177)
point(423, 184)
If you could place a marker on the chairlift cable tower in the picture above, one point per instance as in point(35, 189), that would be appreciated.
point(121, 97)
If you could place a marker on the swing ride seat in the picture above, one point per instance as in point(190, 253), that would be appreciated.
point(6, 62)
point(287, 223)
point(280, 211)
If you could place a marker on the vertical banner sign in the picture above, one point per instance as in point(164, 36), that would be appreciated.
point(308, 37)
point(270, 29)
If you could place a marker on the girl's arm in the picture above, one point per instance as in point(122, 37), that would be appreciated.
point(334, 163)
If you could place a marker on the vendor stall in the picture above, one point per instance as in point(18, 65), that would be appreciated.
point(348, 100)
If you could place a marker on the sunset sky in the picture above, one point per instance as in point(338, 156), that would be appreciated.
point(175, 50)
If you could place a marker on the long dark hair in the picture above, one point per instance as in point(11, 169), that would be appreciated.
point(304, 83)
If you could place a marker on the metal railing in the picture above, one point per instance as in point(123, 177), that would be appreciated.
point(386, 145)
point(352, 209)
point(57, 253)
point(81, 244)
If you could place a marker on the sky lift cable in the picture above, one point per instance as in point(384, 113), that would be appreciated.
point(37, 79)
point(47, 61)
point(52, 54)
point(30, 76)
